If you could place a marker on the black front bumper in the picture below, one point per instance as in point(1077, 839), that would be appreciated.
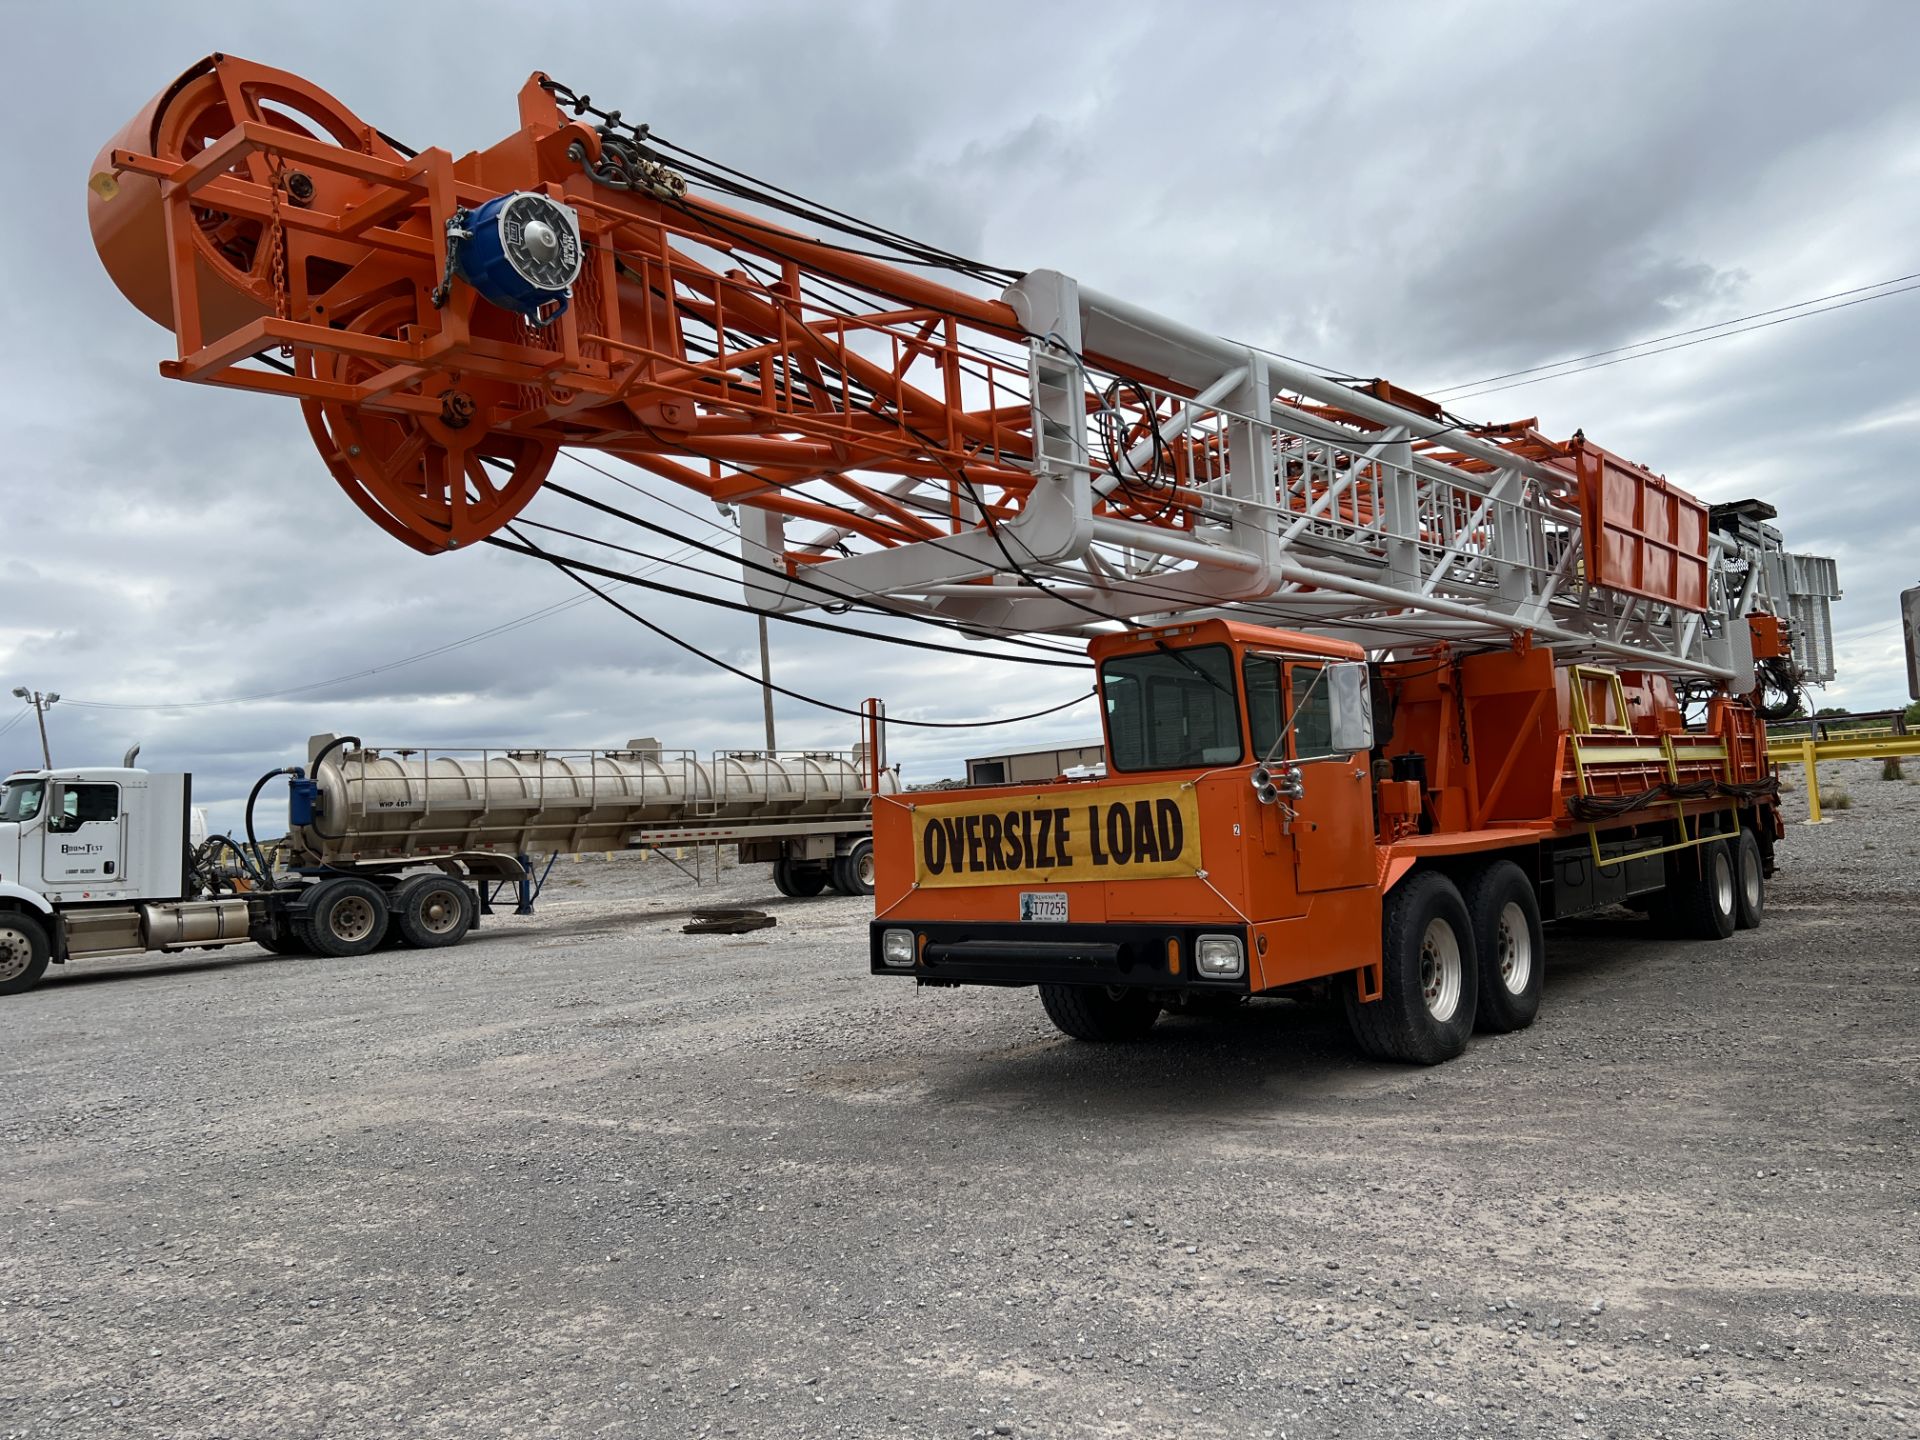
point(1136, 955)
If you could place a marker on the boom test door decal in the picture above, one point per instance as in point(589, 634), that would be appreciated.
point(1133, 832)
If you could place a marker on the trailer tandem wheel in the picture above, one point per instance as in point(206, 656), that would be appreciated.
point(1509, 944)
point(432, 911)
point(344, 916)
point(1430, 983)
point(798, 880)
point(853, 871)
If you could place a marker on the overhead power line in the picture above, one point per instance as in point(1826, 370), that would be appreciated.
point(1722, 328)
point(570, 569)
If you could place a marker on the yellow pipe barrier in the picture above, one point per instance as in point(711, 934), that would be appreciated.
point(1808, 753)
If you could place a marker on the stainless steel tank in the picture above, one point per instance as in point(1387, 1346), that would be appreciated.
point(391, 803)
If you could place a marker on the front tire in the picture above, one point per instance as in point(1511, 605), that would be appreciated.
point(24, 952)
point(1430, 988)
point(1509, 946)
point(1750, 899)
point(344, 917)
point(1090, 1012)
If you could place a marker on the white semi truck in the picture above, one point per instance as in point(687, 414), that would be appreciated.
point(395, 845)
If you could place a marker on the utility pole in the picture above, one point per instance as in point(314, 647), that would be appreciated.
point(766, 681)
point(41, 704)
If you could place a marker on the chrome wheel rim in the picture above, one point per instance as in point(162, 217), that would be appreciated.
point(1723, 882)
point(440, 912)
point(1516, 949)
point(863, 870)
point(16, 954)
point(351, 919)
point(1440, 969)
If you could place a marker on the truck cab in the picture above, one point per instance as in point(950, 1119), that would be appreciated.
point(79, 836)
point(1229, 849)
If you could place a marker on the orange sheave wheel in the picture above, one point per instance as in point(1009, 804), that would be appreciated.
point(425, 478)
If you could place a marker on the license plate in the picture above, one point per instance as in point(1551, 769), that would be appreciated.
point(1045, 905)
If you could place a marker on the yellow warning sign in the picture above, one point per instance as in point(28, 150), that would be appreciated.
point(1130, 832)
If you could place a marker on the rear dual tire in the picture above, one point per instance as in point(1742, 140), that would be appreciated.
point(343, 917)
point(1510, 946)
point(1750, 876)
point(1702, 898)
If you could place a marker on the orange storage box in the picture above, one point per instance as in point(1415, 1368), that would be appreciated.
point(1643, 536)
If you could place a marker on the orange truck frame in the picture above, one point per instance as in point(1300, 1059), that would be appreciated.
point(1279, 819)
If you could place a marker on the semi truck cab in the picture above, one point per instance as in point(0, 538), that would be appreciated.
point(91, 835)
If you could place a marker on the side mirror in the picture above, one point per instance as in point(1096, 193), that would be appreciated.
point(55, 807)
point(1350, 703)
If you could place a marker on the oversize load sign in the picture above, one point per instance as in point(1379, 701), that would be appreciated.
point(1134, 832)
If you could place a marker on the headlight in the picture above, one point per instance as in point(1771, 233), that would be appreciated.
point(1220, 957)
point(896, 948)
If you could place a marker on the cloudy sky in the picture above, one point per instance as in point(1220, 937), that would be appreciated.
point(1434, 192)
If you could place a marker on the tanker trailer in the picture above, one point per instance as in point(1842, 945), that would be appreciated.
point(808, 812)
point(394, 845)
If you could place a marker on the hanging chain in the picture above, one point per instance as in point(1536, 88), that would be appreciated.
point(277, 246)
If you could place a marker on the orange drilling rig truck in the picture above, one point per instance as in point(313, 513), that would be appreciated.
point(1383, 687)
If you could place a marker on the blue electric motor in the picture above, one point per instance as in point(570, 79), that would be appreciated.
point(522, 252)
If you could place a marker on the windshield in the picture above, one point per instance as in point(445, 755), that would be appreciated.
point(1172, 709)
point(20, 799)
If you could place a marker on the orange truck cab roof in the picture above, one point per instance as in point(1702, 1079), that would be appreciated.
point(1223, 632)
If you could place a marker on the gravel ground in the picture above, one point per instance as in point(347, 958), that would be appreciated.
point(586, 1175)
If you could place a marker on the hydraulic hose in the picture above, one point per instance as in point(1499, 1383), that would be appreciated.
point(259, 856)
point(217, 843)
point(318, 760)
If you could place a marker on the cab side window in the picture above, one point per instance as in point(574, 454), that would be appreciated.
point(82, 804)
point(1266, 709)
point(1312, 712)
